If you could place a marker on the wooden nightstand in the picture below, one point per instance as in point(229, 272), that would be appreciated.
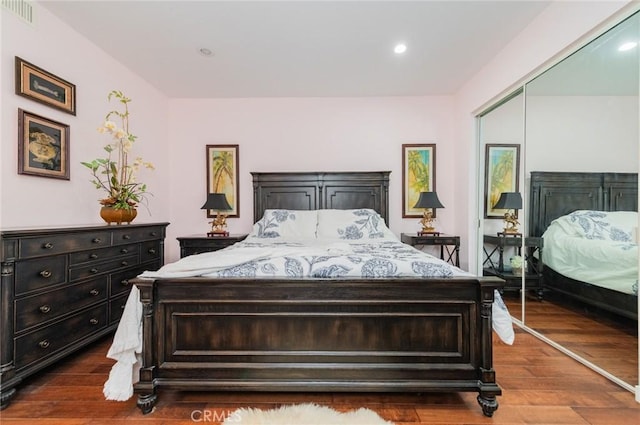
point(533, 266)
point(449, 245)
point(196, 244)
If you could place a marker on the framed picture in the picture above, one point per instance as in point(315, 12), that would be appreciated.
point(42, 86)
point(43, 146)
point(222, 176)
point(418, 175)
point(502, 171)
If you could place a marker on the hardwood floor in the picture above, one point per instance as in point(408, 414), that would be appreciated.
point(540, 386)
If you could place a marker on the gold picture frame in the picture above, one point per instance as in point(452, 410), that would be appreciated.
point(41, 86)
point(418, 175)
point(223, 176)
point(43, 146)
point(502, 174)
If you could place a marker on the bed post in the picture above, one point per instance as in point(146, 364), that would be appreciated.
point(488, 387)
point(146, 388)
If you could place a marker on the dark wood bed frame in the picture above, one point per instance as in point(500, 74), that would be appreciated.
point(308, 335)
point(554, 194)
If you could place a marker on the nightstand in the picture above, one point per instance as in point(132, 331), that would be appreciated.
point(449, 245)
point(533, 260)
point(196, 244)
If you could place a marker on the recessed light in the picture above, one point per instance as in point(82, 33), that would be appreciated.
point(400, 48)
point(627, 46)
point(205, 52)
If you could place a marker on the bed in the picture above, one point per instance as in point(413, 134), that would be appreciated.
point(235, 330)
point(589, 225)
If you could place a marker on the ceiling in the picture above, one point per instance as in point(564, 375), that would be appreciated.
point(300, 48)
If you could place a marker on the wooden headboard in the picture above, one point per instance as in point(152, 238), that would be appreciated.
point(321, 190)
point(554, 194)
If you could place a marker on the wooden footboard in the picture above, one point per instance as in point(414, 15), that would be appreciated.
point(362, 335)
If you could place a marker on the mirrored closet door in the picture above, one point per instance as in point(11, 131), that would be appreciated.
point(579, 171)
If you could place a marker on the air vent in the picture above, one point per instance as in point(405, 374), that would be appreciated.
point(21, 8)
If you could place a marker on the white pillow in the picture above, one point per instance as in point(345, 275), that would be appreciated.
point(614, 226)
point(290, 224)
point(355, 224)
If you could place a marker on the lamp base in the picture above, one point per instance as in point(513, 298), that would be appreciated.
point(428, 233)
point(218, 234)
point(509, 233)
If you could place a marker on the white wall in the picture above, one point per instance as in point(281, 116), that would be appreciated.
point(309, 134)
point(29, 201)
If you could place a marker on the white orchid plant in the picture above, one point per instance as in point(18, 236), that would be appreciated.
point(114, 174)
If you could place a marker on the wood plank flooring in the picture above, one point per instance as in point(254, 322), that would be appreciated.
point(540, 386)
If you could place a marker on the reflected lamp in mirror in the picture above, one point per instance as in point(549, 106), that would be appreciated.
point(429, 201)
point(217, 202)
point(510, 201)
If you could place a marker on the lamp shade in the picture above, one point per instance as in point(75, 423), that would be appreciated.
point(509, 201)
point(216, 201)
point(428, 200)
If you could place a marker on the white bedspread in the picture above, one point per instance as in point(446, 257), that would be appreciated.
point(254, 257)
point(595, 247)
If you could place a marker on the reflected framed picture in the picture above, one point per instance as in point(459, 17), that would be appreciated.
point(418, 175)
point(43, 146)
point(502, 173)
point(223, 176)
point(37, 84)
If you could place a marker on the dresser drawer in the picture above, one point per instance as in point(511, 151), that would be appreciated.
point(40, 273)
point(58, 244)
point(101, 254)
point(149, 251)
point(120, 280)
point(116, 308)
point(105, 267)
point(128, 235)
point(36, 309)
point(47, 341)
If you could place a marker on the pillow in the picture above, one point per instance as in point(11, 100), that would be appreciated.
point(351, 224)
point(614, 226)
point(292, 224)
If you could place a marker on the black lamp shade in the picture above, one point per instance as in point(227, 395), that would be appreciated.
point(428, 200)
point(509, 201)
point(216, 201)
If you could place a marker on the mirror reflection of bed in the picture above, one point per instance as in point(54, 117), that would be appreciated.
point(589, 225)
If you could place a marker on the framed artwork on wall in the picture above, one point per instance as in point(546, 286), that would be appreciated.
point(43, 146)
point(418, 175)
point(223, 176)
point(502, 172)
point(37, 84)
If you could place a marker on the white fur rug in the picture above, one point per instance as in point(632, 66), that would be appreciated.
point(304, 414)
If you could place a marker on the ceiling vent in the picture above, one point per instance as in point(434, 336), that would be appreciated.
point(21, 8)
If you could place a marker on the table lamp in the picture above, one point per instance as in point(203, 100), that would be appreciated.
point(429, 201)
point(217, 202)
point(510, 201)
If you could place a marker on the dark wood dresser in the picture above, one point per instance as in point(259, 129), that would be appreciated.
point(63, 288)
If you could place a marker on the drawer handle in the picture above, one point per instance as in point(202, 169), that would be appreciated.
point(44, 344)
point(94, 321)
point(93, 270)
point(125, 263)
point(124, 282)
point(124, 251)
point(154, 233)
point(94, 292)
point(48, 245)
point(46, 273)
point(152, 251)
point(93, 256)
point(45, 308)
point(96, 240)
point(126, 237)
